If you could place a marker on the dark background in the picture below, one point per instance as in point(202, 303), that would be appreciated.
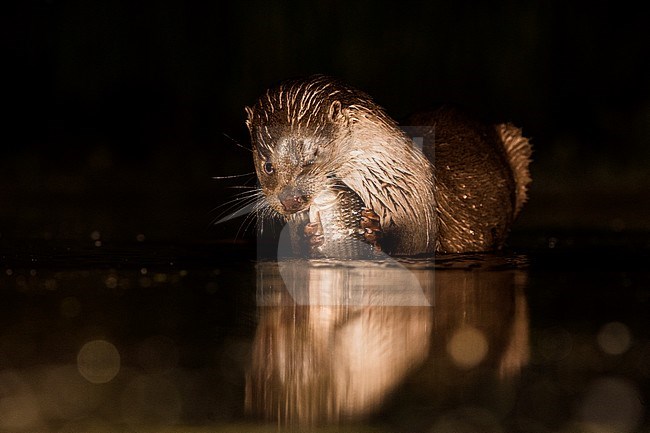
point(119, 113)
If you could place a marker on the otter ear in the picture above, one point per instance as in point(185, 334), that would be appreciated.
point(335, 110)
point(249, 113)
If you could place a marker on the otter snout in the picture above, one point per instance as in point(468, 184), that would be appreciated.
point(292, 199)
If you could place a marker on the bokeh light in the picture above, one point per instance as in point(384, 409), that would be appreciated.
point(111, 281)
point(70, 307)
point(64, 394)
point(614, 338)
point(98, 361)
point(467, 347)
point(612, 404)
point(19, 409)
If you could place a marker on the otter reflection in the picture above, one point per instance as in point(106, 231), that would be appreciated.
point(335, 338)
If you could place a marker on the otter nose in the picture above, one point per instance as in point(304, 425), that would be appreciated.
point(292, 199)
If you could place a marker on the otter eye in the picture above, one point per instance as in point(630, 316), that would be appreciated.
point(311, 160)
point(268, 167)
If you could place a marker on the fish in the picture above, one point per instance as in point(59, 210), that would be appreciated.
point(338, 210)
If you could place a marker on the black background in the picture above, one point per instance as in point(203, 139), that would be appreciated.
point(118, 114)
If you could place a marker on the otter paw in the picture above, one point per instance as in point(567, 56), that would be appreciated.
point(371, 227)
point(314, 234)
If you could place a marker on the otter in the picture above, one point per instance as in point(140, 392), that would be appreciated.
point(458, 192)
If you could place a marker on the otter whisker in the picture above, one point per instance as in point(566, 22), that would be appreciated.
point(233, 176)
point(247, 221)
point(239, 206)
point(248, 191)
point(239, 197)
point(244, 210)
point(262, 211)
point(236, 142)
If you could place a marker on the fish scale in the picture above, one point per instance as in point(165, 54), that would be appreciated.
point(338, 209)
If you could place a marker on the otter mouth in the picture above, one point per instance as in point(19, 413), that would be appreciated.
point(292, 201)
point(295, 210)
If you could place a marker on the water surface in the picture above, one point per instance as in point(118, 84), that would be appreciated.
point(206, 337)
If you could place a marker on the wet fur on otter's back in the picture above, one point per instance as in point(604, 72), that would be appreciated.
point(460, 193)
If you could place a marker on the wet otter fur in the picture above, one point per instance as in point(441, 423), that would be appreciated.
point(459, 193)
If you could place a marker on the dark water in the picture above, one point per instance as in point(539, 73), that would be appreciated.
point(141, 337)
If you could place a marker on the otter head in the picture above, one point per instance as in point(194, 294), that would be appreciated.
point(290, 128)
point(315, 134)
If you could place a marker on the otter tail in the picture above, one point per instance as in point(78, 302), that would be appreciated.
point(518, 151)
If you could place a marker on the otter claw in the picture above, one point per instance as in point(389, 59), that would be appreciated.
point(371, 226)
point(313, 229)
point(316, 240)
point(314, 234)
point(369, 217)
point(371, 235)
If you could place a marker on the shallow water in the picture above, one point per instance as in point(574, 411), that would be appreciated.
point(204, 337)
